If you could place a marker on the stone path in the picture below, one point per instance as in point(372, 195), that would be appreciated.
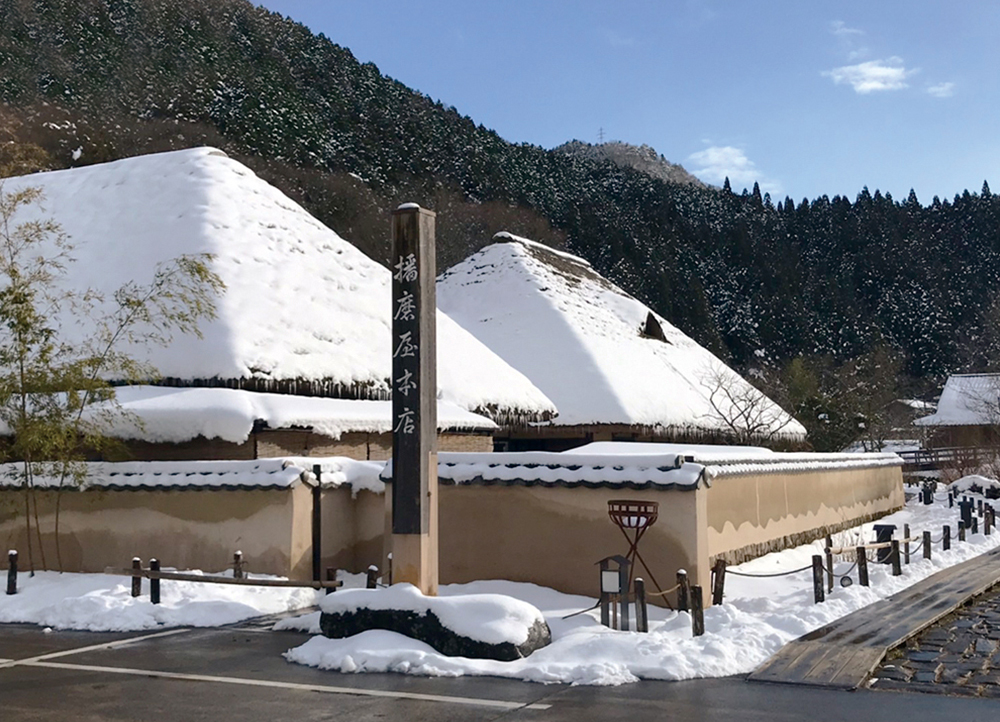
point(960, 655)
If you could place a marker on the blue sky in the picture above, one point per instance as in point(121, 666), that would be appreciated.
point(807, 97)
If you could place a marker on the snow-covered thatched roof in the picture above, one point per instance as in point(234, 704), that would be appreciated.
point(602, 356)
point(161, 414)
point(967, 400)
point(304, 312)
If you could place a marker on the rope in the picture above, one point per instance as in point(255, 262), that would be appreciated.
point(774, 574)
point(848, 572)
point(664, 593)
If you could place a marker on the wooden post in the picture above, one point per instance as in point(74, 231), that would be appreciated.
point(979, 507)
point(862, 566)
point(331, 575)
point(683, 591)
point(975, 525)
point(317, 525)
point(927, 545)
point(414, 399)
point(961, 532)
point(154, 584)
point(372, 581)
point(829, 564)
point(897, 569)
point(623, 600)
point(719, 581)
point(12, 571)
point(906, 543)
point(136, 578)
point(238, 565)
point(988, 521)
point(641, 618)
point(951, 499)
point(697, 612)
point(819, 594)
point(605, 597)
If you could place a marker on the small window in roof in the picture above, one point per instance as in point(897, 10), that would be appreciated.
point(653, 329)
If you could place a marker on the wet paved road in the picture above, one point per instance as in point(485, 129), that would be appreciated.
point(240, 675)
point(960, 655)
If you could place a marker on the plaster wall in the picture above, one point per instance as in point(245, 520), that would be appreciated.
point(753, 514)
point(554, 536)
point(353, 527)
point(187, 529)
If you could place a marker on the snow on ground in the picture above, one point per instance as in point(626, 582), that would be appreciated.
point(758, 617)
point(103, 602)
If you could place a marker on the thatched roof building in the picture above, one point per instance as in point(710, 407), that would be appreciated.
point(615, 369)
point(304, 313)
point(968, 413)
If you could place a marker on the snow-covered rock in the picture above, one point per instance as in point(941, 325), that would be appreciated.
point(479, 626)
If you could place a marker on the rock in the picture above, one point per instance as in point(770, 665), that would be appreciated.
point(409, 613)
point(897, 674)
point(985, 646)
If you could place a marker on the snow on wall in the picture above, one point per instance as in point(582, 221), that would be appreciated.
point(301, 302)
point(277, 473)
point(577, 337)
point(801, 463)
point(967, 400)
point(172, 415)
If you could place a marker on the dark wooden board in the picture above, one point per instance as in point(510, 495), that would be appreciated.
point(843, 653)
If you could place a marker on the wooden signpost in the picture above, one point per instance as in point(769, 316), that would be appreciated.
point(414, 399)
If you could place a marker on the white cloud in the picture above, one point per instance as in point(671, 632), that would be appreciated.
point(839, 28)
point(942, 90)
point(872, 76)
point(716, 163)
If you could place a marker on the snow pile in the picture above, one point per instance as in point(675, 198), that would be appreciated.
point(974, 482)
point(173, 415)
point(966, 400)
point(101, 602)
point(339, 471)
point(489, 618)
point(302, 304)
point(602, 356)
point(758, 617)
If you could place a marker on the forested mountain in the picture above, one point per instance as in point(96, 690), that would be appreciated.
point(758, 282)
point(641, 157)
